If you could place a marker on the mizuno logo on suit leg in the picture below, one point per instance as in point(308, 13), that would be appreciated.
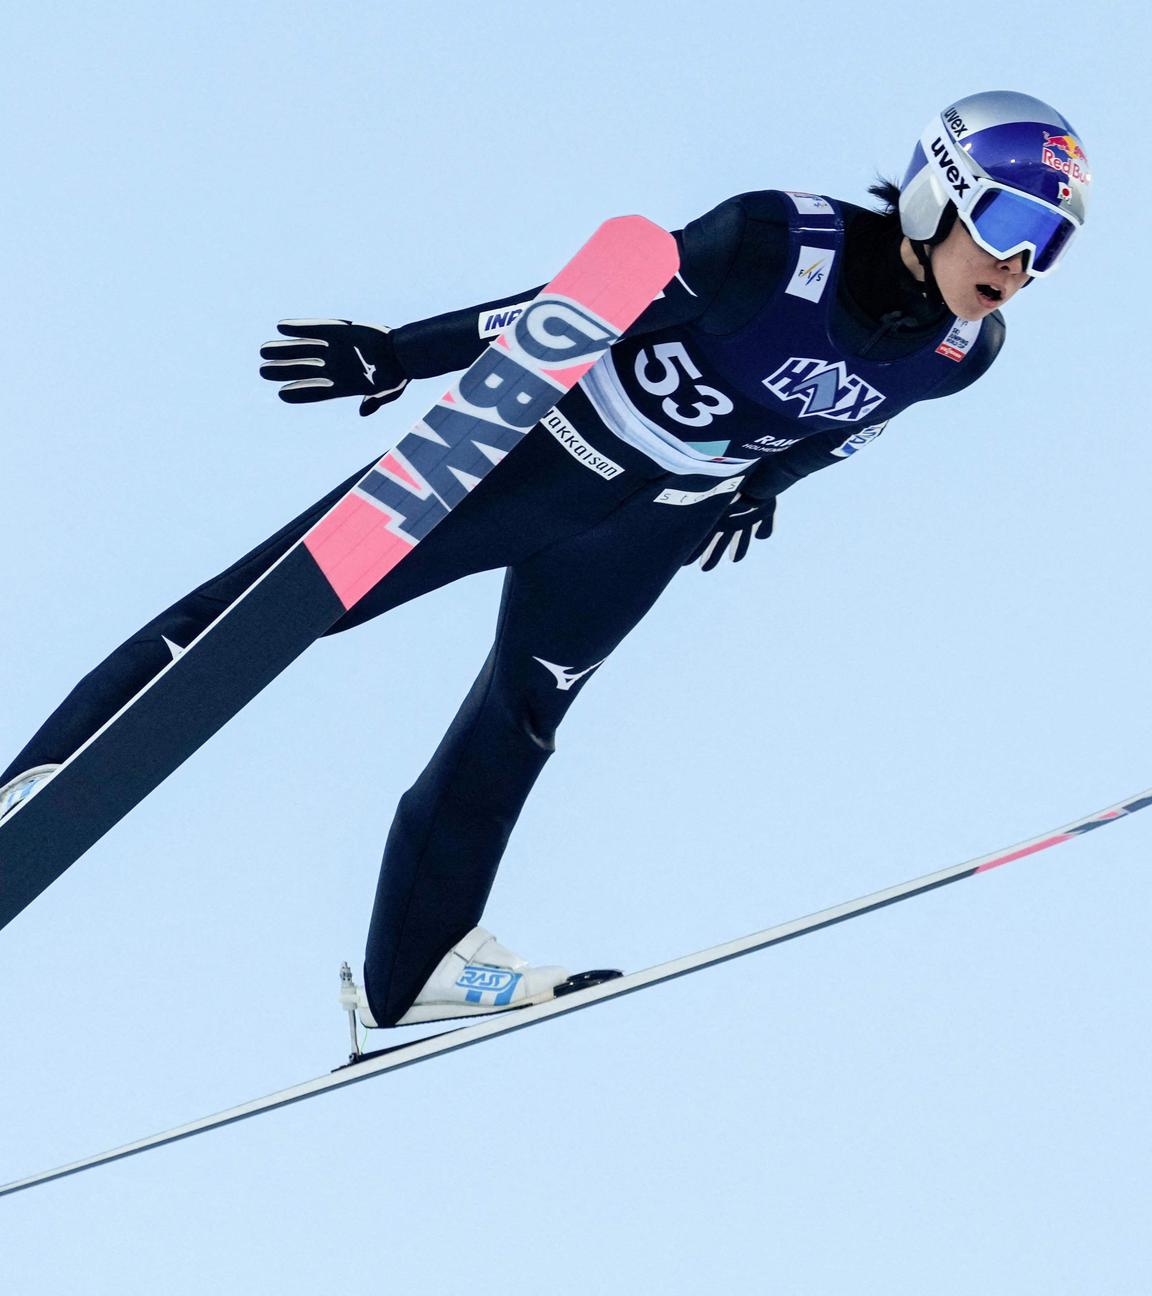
point(565, 676)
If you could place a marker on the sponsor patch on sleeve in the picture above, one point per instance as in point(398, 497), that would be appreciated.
point(492, 323)
point(858, 440)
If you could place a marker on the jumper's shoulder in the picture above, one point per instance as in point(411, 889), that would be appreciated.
point(733, 256)
point(992, 335)
point(720, 234)
point(760, 215)
point(771, 205)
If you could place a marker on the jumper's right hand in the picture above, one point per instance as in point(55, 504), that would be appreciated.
point(327, 358)
point(749, 517)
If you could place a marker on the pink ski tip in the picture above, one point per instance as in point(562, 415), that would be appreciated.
point(634, 259)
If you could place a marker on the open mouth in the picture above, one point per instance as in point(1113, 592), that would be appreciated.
point(989, 294)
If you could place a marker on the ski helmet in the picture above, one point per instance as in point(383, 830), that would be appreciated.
point(1010, 166)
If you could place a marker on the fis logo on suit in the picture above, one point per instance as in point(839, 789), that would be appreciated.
point(825, 388)
point(808, 204)
point(810, 278)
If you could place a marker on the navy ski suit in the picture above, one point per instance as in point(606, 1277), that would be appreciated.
point(789, 338)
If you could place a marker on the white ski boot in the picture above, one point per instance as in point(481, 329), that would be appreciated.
point(18, 790)
point(476, 976)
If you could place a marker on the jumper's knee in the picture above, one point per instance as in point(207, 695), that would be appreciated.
point(539, 729)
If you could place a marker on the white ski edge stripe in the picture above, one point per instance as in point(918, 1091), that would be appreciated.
point(452, 1040)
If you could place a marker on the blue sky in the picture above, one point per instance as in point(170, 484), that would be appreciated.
point(940, 652)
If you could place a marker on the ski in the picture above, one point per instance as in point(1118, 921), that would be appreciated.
point(366, 1066)
point(517, 379)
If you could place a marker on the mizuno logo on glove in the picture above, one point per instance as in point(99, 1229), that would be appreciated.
point(369, 369)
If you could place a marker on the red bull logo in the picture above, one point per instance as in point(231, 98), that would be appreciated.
point(1064, 153)
point(1067, 144)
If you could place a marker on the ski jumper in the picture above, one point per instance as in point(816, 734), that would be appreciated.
point(790, 337)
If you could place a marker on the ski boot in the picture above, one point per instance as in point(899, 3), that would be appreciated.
point(476, 976)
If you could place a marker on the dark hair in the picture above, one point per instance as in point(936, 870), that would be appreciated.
point(888, 191)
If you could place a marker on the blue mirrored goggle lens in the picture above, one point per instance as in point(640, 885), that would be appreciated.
point(1004, 220)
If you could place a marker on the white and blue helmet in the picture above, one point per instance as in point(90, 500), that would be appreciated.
point(1012, 167)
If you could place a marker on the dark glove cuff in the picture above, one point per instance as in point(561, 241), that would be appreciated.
point(759, 485)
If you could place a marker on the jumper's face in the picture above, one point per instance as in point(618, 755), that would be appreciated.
point(973, 282)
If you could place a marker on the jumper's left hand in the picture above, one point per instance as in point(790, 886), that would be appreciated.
point(747, 519)
point(318, 359)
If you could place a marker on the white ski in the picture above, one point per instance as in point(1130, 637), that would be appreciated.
point(369, 1065)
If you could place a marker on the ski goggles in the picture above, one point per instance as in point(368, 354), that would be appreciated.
point(1005, 221)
